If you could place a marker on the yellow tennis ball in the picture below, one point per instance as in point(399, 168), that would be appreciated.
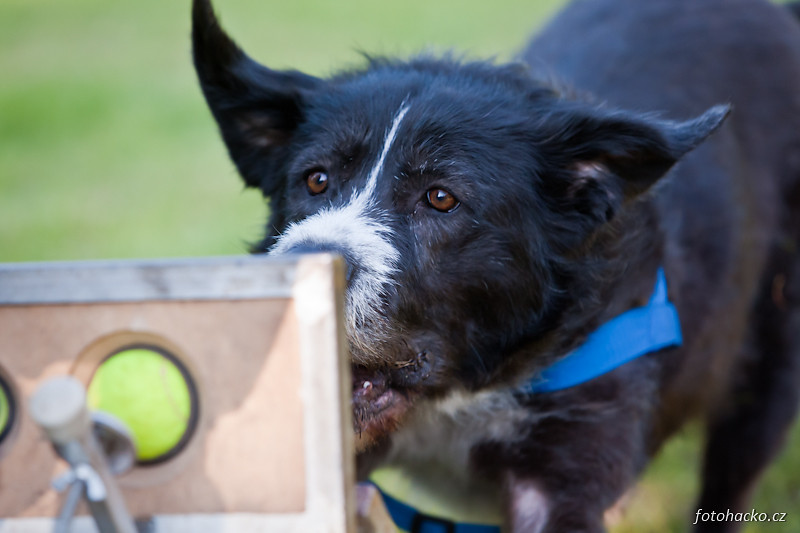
point(147, 391)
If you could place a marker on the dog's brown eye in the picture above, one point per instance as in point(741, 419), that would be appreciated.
point(317, 182)
point(442, 200)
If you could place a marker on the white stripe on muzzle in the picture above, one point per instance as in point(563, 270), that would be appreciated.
point(358, 227)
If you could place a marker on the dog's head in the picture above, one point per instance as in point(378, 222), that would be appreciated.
point(458, 193)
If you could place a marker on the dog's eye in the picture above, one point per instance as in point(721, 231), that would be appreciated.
point(317, 182)
point(442, 200)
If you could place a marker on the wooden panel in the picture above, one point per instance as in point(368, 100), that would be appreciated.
point(248, 453)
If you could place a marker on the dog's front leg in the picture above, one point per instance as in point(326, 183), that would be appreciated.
point(534, 509)
point(570, 475)
point(572, 465)
point(528, 505)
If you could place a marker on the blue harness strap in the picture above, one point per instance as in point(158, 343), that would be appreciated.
point(634, 333)
point(409, 519)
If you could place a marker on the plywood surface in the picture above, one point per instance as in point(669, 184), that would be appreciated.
point(248, 454)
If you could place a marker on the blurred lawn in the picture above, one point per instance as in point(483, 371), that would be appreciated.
point(107, 149)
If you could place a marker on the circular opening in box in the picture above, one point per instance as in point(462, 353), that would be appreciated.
point(153, 393)
point(8, 409)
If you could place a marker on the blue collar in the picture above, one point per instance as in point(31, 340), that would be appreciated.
point(634, 333)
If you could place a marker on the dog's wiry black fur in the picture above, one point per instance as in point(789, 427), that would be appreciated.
point(567, 203)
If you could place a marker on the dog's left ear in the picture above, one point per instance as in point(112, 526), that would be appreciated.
point(605, 160)
point(257, 108)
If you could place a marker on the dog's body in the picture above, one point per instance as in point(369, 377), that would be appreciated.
point(491, 223)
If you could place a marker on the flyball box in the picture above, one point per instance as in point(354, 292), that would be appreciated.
point(268, 446)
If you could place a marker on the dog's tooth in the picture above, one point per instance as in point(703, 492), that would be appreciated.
point(366, 385)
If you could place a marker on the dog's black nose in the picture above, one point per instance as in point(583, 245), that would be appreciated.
point(330, 248)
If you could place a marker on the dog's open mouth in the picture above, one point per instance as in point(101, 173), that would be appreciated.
point(378, 408)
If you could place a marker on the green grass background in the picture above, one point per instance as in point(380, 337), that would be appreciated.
point(107, 149)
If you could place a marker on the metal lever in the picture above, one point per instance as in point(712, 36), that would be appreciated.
point(58, 406)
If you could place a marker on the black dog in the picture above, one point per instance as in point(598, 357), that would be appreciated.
point(493, 219)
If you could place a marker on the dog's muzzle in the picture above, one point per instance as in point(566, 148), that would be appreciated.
point(351, 267)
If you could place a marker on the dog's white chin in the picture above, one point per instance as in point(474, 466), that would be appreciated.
point(366, 323)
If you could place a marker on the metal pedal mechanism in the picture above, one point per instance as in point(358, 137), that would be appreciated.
point(97, 447)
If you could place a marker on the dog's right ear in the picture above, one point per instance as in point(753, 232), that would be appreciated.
point(257, 109)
